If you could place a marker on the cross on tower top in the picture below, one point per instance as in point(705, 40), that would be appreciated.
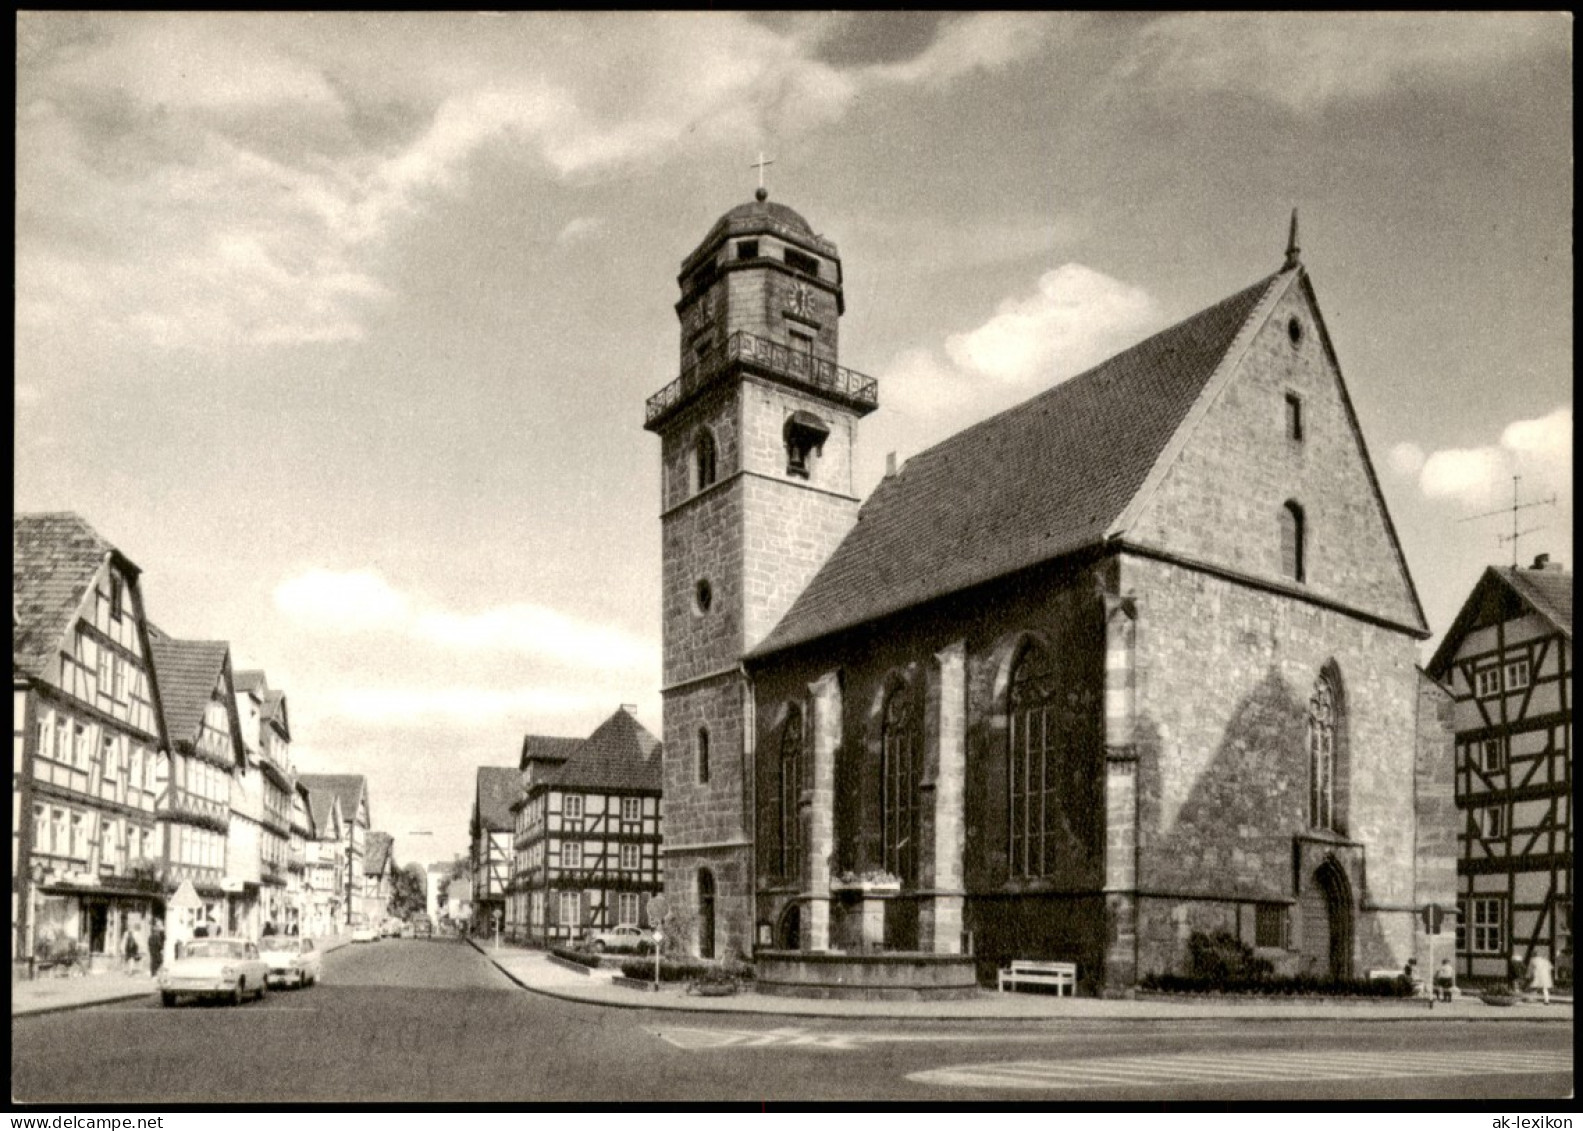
point(762, 193)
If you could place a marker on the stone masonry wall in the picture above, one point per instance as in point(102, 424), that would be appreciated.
point(1438, 819)
point(1223, 678)
point(1220, 500)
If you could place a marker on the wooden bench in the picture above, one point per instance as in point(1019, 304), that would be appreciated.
point(1061, 975)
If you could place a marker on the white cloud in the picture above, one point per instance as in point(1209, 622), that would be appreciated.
point(1306, 62)
point(1406, 458)
point(1073, 318)
point(984, 41)
point(362, 601)
point(342, 602)
point(1540, 450)
point(580, 228)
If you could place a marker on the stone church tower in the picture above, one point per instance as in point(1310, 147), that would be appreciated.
point(758, 436)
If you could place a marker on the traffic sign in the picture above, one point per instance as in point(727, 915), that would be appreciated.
point(1433, 916)
point(657, 909)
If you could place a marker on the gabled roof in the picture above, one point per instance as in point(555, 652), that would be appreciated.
point(275, 712)
point(377, 853)
point(546, 748)
point(188, 672)
point(307, 808)
point(54, 558)
point(619, 755)
point(348, 789)
point(1505, 593)
point(251, 681)
point(498, 787)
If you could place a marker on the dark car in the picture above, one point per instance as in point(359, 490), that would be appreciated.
point(422, 927)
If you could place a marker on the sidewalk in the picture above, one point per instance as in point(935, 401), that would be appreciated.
point(51, 994)
point(533, 970)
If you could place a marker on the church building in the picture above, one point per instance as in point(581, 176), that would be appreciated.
point(1131, 660)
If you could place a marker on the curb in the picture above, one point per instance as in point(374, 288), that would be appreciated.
point(67, 1007)
point(1425, 1015)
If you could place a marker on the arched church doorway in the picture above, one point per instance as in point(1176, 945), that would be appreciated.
point(1328, 921)
point(789, 933)
point(706, 913)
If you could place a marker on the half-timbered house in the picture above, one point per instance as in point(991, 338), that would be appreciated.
point(541, 755)
point(206, 749)
point(86, 740)
point(378, 865)
point(589, 851)
point(351, 795)
point(268, 738)
point(1507, 661)
point(490, 829)
point(324, 866)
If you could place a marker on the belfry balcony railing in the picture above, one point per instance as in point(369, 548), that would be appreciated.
point(774, 359)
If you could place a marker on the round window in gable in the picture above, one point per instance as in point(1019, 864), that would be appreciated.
point(703, 595)
point(1294, 330)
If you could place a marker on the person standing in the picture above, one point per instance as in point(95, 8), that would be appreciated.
point(156, 947)
point(1445, 980)
point(129, 948)
point(1541, 974)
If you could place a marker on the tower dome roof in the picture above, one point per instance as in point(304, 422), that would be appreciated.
point(756, 213)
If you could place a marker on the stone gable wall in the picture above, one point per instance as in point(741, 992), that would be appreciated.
point(1220, 501)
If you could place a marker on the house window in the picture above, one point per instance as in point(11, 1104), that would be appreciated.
point(115, 595)
point(703, 754)
point(1293, 548)
point(901, 743)
point(1269, 925)
point(747, 249)
point(1294, 416)
point(79, 840)
point(1493, 751)
point(62, 749)
point(627, 909)
point(800, 262)
point(1032, 757)
point(1322, 756)
point(791, 772)
point(631, 857)
point(572, 806)
point(703, 460)
point(1491, 821)
point(79, 746)
point(1487, 682)
point(631, 809)
point(572, 854)
point(1487, 931)
point(570, 916)
point(1516, 675)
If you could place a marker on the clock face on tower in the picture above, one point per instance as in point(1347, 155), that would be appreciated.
point(801, 299)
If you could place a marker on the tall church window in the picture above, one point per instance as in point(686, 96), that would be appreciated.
point(1033, 750)
point(703, 754)
point(791, 767)
point(1322, 756)
point(1293, 543)
point(899, 802)
point(703, 460)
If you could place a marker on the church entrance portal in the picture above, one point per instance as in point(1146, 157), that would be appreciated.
point(1327, 921)
point(789, 936)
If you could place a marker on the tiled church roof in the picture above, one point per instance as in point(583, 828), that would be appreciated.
point(1035, 482)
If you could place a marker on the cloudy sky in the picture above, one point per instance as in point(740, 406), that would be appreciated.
point(340, 326)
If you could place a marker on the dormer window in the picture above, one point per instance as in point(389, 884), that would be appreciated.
point(804, 433)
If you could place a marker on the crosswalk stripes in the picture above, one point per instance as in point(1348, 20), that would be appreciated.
point(1242, 1067)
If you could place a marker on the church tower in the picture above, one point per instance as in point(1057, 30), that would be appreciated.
point(757, 436)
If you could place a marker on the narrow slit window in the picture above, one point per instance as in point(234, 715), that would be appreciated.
point(1294, 417)
point(1293, 548)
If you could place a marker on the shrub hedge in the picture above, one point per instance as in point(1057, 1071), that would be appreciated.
point(687, 970)
point(581, 957)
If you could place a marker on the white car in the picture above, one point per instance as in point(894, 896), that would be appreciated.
point(291, 960)
point(365, 932)
point(229, 968)
point(623, 938)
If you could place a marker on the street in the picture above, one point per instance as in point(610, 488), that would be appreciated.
point(433, 1020)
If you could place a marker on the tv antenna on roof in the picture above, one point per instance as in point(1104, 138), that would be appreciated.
point(1514, 508)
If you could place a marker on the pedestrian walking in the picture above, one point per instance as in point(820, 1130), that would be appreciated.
point(156, 947)
point(1541, 974)
point(129, 949)
point(1445, 980)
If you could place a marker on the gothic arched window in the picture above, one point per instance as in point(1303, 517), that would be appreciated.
point(902, 744)
point(1032, 757)
point(1322, 756)
point(1294, 549)
point(703, 460)
point(791, 771)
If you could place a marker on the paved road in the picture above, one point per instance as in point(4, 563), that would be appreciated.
point(435, 1021)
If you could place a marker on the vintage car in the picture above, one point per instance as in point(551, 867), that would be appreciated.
point(365, 932)
point(623, 938)
point(292, 960)
point(220, 967)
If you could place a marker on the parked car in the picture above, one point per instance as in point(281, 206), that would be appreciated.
point(291, 960)
point(365, 932)
point(623, 938)
point(422, 927)
point(220, 967)
point(391, 928)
